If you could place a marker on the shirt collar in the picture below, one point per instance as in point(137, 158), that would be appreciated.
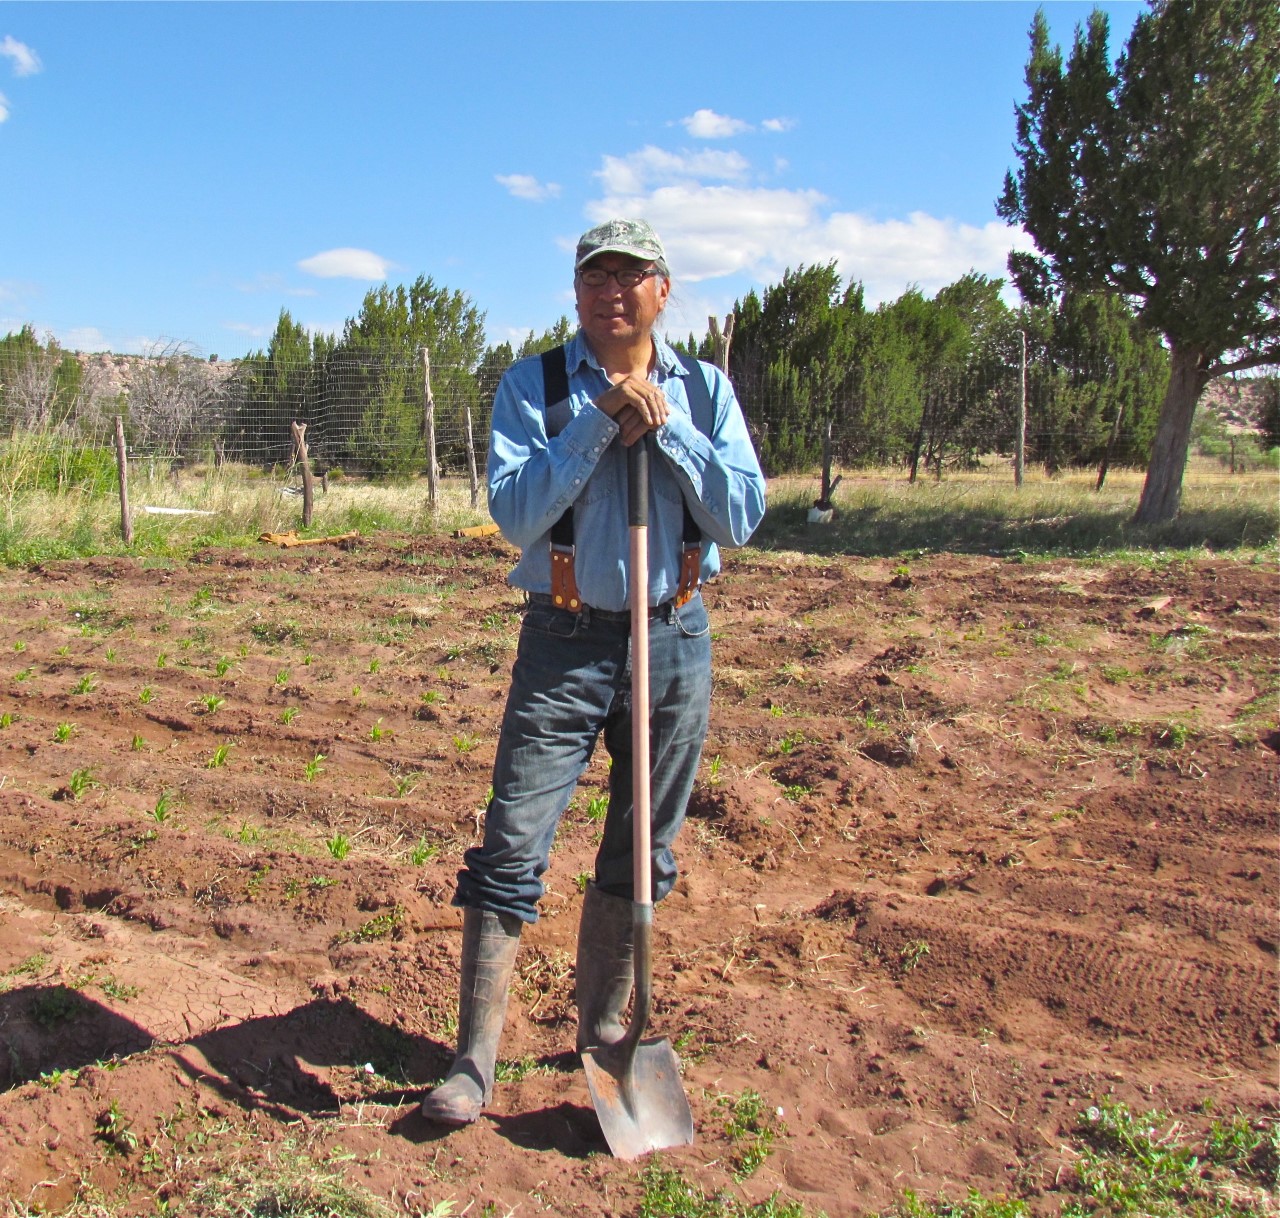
point(578, 352)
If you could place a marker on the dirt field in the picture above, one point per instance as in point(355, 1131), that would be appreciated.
point(976, 844)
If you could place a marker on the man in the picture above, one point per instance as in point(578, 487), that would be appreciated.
point(564, 460)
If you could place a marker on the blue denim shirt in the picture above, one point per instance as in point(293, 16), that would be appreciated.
point(533, 478)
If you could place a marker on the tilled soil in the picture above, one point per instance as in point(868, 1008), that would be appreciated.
point(975, 844)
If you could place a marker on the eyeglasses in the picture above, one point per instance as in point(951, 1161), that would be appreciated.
point(628, 277)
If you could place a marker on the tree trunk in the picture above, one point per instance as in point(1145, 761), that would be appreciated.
point(1162, 491)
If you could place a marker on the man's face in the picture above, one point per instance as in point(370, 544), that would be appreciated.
point(613, 314)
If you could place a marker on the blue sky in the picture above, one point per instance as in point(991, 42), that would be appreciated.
point(181, 172)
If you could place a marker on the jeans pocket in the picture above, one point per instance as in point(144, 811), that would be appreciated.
point(691, 618)
point(554, 623)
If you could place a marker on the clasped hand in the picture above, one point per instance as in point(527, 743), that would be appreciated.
point(636, 404)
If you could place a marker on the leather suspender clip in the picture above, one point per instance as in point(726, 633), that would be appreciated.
point(564, 585)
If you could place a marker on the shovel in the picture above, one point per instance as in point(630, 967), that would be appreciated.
point(635, 1083)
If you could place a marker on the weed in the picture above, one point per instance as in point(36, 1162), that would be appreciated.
point(377, 927)
point(87, 684)
point(1173, 735)
point(288, 715)
point(114, 989)
point(62, 733)
point(911, 954)
point(667, 1194)
point(974, 1206)
point(339, 846)
point(789, 742)
point(113, 1130)
point(1115, 674)
point(317, 882)
point(464, 742)
point(582, 880)
point(749, 1126)
point(56, 1005)
point(312, 769)
point(247, 834)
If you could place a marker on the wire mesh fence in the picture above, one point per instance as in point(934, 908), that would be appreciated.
point(378, 412)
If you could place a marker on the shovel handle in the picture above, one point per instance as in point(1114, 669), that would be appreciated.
point(642, 877)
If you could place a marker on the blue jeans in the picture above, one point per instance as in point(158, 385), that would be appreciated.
point(572, 682)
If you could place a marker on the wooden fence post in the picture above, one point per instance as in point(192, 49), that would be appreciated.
point(720, 341)
point(122, 467)
point(299, 431)
point(471, 462)
point(429, 428)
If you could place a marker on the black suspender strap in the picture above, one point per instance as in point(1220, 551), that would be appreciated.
point(555, 389)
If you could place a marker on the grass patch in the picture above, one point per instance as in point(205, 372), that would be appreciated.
point(879, 513)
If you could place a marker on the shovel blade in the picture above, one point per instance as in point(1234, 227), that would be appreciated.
point(639, 1098)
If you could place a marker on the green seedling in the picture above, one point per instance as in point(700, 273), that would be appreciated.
point(64, 650)
point(282, 677)
point(163, 809)
point(374, 665)
point(378, 732)
point(582, 880)
point(20, 645)
point(288, 715)
point(222, 667)
point(356, 691)
point(162, 660)
point(80, 781)
point(713, 769)
point(339, 846)
point(406, 783)
point(247, 833)
point(219, 757)
point(464, 742)
point(597, 807)
point(146, 694)
point(138, 744)
point(211, 703)
point(423, 852)
point(23, 674)
point(431, 697)
point(62, 733)
point(6, 719)
point(109, 655)
point(311, 770)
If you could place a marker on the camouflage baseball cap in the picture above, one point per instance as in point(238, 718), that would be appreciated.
point(634, 237)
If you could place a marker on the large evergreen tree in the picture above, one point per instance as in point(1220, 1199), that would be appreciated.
point(1159, 179)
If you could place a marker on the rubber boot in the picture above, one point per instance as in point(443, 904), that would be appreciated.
point(489, 943)
point(604, 968)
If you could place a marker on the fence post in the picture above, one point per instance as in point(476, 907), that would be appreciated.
point(720, 341)
point(429, 427)
point(471, 463)
point(122, 466)
point(299, 431)
point(1020, 461)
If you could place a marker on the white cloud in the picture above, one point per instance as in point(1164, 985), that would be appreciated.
point(715, 229)
point(634, 173)
point(25, 61)
point(4, 108)
point(347, 263)
point(708, 125)
point(526, 186)
point(778, 124)
point(84, 338)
